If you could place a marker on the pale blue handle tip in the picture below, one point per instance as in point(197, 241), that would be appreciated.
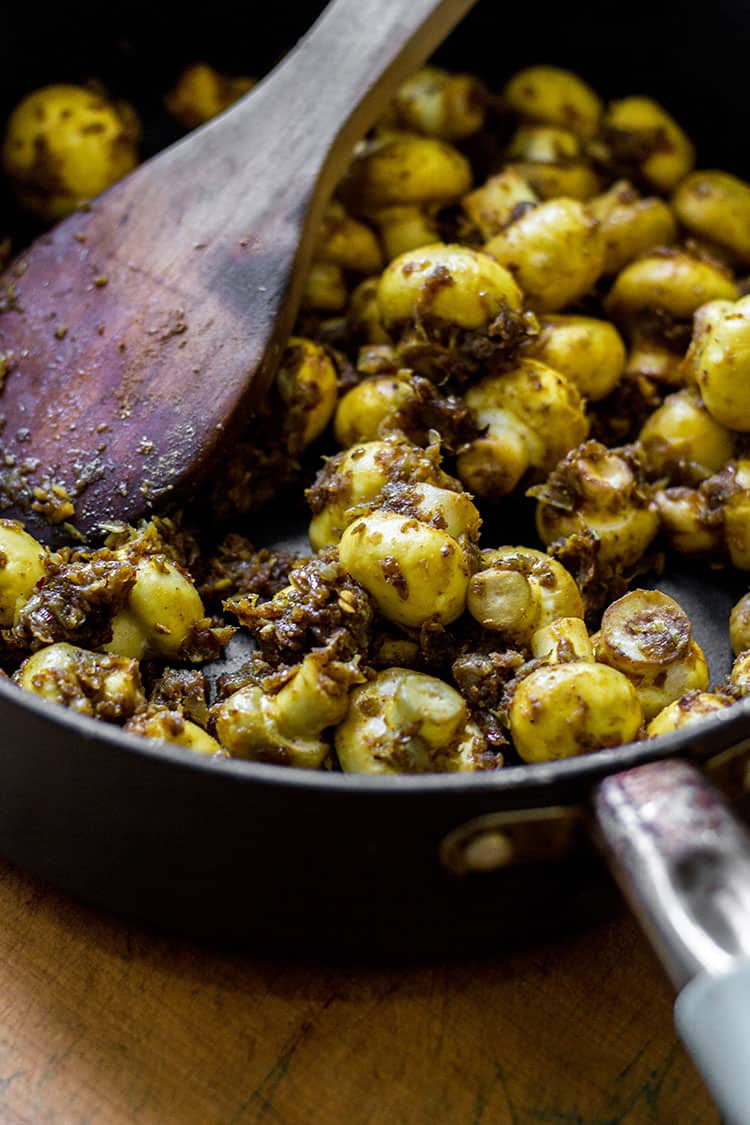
point(712, 1016)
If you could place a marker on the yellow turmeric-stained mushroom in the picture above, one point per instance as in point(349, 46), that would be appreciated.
point(452, 311)
point(357, 475)
point(562, 641)
point(400, 182)
point(498, 201)
point(716, 206)
point(652, 360)
point(325, 288)
point(739, 677)
point(66, 144)
point(737, 529)
point(531, 416)
point(739, 625)
point(681, 431)
point(346, 242)
point(598, 489)
point(644, 138)
point(714, 516)
point(691, 708)
point(201, 93)
point(554, 251)
point(554, 96)
point(21, 567)
point(548, 144)
point(589, 352)
point(414, 572)
point(344, 245)
point(363, 315)
point(446, 283)
point(287, 727)
point(504, 601)
point(443, 508)
point(164, 725)
point(518, 590)
point(380, 359)
point(92, 683)
point(438, 103)
point(647, 636)
point(631, 224)
point(692, 526)
point(553, 161)
point(162, 609)
point(735, 511)
point(556, 181)
point(671, 280)
point(718, 361)
point(364, 411)
point(406, 722)
point(307, 385)
point(560, 710)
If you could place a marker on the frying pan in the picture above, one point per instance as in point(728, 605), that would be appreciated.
point(351, 865)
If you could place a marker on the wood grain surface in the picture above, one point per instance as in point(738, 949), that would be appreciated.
point(104, 1022)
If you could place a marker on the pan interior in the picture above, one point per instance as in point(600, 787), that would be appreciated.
point(638, 49)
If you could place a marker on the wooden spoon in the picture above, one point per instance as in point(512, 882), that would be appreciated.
point(141, 331)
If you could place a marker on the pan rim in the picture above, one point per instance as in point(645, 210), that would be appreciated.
point(712, 735)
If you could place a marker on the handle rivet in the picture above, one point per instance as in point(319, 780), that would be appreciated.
point(488, 851)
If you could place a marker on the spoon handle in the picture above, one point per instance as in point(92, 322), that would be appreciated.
point(335, 83)
point(683, 861)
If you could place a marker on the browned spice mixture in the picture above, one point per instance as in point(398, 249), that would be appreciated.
point(74, 602)
point(183, 690)
point(321, 608)
point(237, 569)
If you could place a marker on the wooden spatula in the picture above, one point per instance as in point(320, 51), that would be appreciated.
point(140, 332)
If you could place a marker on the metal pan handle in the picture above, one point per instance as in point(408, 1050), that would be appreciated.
point(682, 859)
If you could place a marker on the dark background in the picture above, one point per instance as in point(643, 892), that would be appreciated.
point(696, 66)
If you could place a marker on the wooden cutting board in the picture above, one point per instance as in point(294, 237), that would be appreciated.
point(102, 1022)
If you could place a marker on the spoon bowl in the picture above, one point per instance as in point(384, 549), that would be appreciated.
point(140, 333)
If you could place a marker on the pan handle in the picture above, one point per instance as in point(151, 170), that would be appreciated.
point(682, 859)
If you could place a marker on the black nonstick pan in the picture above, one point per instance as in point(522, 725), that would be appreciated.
point(352, 865)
